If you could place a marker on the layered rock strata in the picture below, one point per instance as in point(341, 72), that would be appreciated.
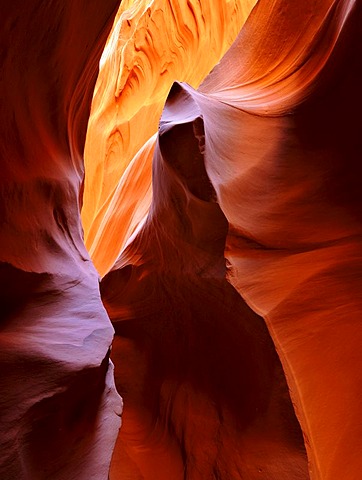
point(268, 149)
point(151, 45)
point(59, 411)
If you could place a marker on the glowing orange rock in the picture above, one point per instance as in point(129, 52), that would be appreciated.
point(261, 164)
point(281, 147)
point(151, 45)
point(285, 172)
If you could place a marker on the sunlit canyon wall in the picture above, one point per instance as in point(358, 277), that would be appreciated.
point(229, 241)
point(151, 45)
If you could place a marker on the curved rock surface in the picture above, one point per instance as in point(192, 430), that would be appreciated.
point(59, 411)
point(248, 367)
point(293, 203)
point(151, 45)
point(205, 396)
point(273, 138)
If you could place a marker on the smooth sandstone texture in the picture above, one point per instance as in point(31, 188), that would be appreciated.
point(277, 127)
point(293, 202)
point(261, 165)
point(59, 411)
point(205, 395)
point(151, 45)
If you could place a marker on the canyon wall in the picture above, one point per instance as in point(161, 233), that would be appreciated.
point(264, 161)
point(229, 241)
point(59, 411)
point(151, 45)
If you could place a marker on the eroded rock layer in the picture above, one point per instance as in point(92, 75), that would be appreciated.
point(205, 393)
point(293, 203)
point(151, 45)
point(229, 369)
point(59, 412)
point(265, 156)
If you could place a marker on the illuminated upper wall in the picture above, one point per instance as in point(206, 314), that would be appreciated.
point(151, 45)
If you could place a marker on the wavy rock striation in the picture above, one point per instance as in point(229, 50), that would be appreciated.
point(293, 203)
point(248, 367)
point(151, 45)
point(59, 411)
point(210, 400)
point(265, 156)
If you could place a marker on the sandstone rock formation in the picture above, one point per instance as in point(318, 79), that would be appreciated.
point(59, 411)
point(271, 136)
point(293, 203)
point(210, 399)
point(151, 45)
point(233, 281)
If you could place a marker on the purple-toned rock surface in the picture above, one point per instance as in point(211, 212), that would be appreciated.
point(59, 411)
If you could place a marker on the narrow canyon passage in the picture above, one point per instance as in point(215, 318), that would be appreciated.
point(191, 215)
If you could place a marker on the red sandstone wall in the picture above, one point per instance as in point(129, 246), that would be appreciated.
point(205, 395)
point(248, 367)
point(277, 127)
point(59, 412)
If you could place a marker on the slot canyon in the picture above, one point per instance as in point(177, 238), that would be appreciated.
point(181, 240)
